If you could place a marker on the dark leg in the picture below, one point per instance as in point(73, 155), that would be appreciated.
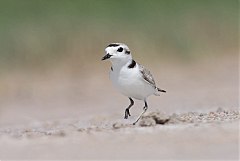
point(144, 110)
point(145, 106)
point(127, 112)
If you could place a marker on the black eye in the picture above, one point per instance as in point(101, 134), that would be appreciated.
point(120, 49)
point(127, 52)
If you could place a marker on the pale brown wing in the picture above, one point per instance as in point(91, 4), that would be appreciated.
point(147, 76)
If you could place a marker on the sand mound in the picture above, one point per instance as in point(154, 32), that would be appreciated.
point(62, 128)
point(220, 115)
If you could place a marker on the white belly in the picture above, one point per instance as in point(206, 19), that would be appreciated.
point(130, 84)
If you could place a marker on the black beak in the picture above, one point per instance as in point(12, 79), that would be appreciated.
point(106, 57)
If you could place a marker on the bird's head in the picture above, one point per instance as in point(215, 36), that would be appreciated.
point(117, 52)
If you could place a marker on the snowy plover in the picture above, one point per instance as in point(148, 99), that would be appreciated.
point(130, 78)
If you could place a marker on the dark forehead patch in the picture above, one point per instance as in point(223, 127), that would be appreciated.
point(113, 45)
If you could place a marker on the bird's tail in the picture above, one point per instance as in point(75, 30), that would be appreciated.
point(159, 90)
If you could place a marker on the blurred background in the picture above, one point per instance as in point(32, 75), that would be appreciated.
point(50, 55)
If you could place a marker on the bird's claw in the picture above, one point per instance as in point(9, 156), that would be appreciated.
point(127, 113)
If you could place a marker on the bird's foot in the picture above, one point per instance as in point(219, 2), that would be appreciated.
point(127, 113)
point(145, 108)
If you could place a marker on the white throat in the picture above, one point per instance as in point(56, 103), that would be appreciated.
point(119, 63)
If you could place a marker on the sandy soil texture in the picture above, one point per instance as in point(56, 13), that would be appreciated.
point(192, 135)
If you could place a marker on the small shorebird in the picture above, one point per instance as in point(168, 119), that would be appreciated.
point(130, 78)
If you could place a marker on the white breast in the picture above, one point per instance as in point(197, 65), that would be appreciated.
point(129, 82)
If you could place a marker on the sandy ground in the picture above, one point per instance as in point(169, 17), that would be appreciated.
point(191, 136)
point(55, 115)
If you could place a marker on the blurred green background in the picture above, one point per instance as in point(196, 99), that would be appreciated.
point(43, 34)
